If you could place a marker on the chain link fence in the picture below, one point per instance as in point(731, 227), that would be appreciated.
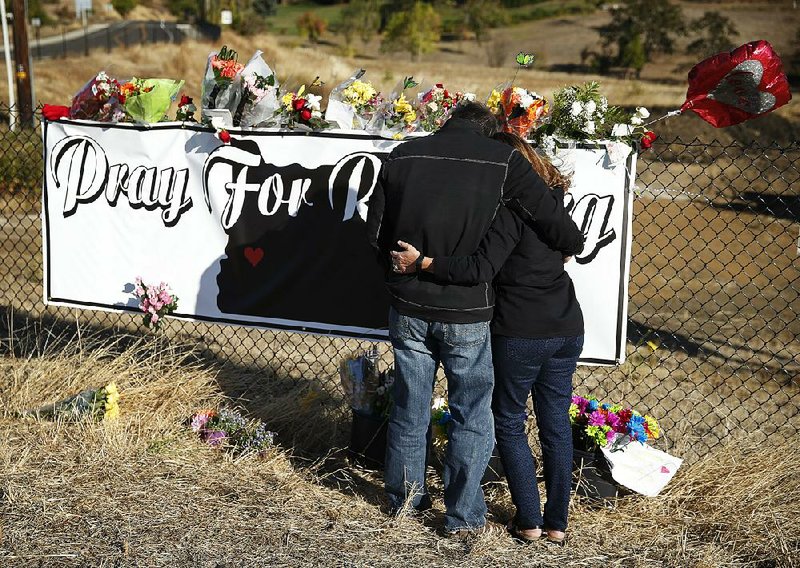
point(713, 348)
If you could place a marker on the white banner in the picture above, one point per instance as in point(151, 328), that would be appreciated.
point(269, 230)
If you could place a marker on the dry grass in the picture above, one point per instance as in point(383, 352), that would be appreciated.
point(142, 491)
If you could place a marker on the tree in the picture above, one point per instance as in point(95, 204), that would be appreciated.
point(312, 26)
point(361, 18)
point(124, 7)
point(264, 8)
point(632, 55)
point(482, 15)
point(415, 30)
point(716, 31)
point(657, 23)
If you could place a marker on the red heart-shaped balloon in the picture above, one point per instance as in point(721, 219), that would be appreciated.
point(730, 88)
point(253, 255)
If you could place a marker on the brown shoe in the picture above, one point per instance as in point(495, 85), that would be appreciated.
point(488, 529)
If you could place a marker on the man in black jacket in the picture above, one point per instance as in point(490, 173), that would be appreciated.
point(440, 194)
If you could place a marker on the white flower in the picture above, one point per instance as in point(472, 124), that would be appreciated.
point(218, 123)
point(316, 114)
point(636, 120)
point(576, 109)
point(433, 106)
point(642, 112)
point(591, 106)
point(313, 101)
point(603, 104)
point(622, 130)
point(469, 97)
point(589, 128)
point(526, 100)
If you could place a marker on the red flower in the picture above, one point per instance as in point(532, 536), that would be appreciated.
point(185, 101)
point(298, 104)
point(225, 136)
point(648, 139)
point(439, 86)
point(305, 114)
point(54, 112)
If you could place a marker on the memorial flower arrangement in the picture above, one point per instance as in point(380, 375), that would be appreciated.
point(300, 108)
point(520, 111)
point(148, 100)
point(434, 106)
point(367, 389)
point(98, 404)
point(635, 129)
point(599, 424)
point(580, 112)
point(186, 110)
point(100, 99)
point(221, 81)
point(228, 430)
point(156, 301)
point(440, 416)
point(259, 94)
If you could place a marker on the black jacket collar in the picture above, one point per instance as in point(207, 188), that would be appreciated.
point(461, 125)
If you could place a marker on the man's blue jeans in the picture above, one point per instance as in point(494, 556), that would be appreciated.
point(465, 353)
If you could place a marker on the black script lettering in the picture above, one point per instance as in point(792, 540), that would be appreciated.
point(80, 167)
point(591, 213)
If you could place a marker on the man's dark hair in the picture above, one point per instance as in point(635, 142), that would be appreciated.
point(478, 114)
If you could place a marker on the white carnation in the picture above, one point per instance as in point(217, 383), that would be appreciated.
point(636, 120)
point(591, 106)
point(577, 108)
point(526, 100)
point(470, 97)
point(642, 112)
point(589, 128)
point(622, 130)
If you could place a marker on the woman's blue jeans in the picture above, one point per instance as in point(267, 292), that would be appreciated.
point(542, 368)
point(464, 350)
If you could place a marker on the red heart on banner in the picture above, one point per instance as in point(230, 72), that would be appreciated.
point(730, 88)
point(664, 469)
point(253, 255)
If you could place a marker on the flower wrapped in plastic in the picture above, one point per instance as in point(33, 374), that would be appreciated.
point(221, 85)
point(98, 404)
point(99, 99)
point(596, 424)
point(156, 301)
point(300, 109)
point(259, 99)
point(436, 104)
point(353, 104)
point(520, 111)
point(148, 100)
point(396, 116)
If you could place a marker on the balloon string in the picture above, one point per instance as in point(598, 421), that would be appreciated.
point(669, 114)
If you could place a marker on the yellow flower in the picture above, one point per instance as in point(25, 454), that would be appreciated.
point(652, 426)
point(359, 93)
point(493, 102)
point(403, 107)
point(112, 412)
point(287, 99)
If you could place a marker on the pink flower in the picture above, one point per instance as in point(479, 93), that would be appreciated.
point(154, 318)
point(597, 418)
point(610, 435)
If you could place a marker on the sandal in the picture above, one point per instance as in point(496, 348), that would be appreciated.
point(519, 534)
point(558, 539)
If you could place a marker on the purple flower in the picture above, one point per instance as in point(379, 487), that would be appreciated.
point(580, 402)
point(214, 437)
point(597, 418)
point(612, 419)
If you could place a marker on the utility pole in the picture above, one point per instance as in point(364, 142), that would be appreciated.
point(9, 70)
point(22, 60)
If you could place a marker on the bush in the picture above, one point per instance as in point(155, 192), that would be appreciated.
point(124, 7)
point(716, 31)
point(416, 30)
point(311, 26)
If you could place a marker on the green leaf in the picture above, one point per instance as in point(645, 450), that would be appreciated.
point(525, 59)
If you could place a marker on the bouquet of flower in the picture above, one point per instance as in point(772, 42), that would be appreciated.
point(259, 99)
point(368, 390)
point(435, 106)
point(99, 99)
point(440, 416)
point(595, 424)
point(396, 116)
point(300, 109)
point(221, 92)
point(635, 129)
point(581, 113)
point(353, 104)
point(186, 110)
point(228, 429)
point(99, 404)
point(520, 111)
point(147, 100)
point(155, 301)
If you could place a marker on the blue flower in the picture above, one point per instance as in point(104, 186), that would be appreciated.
point(605, 406)
point(593, 405)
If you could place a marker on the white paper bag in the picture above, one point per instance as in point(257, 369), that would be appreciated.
point(641, 468)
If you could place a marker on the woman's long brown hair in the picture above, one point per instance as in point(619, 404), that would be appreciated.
point(541, 165)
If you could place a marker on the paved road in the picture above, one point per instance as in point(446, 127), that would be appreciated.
point(111, 36)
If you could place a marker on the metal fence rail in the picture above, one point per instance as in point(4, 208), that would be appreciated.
point(713, 348)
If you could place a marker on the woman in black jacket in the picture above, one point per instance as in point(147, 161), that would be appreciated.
point(537, 336)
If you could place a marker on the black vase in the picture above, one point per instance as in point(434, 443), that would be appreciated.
point(591, 476)
point(368, 440)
